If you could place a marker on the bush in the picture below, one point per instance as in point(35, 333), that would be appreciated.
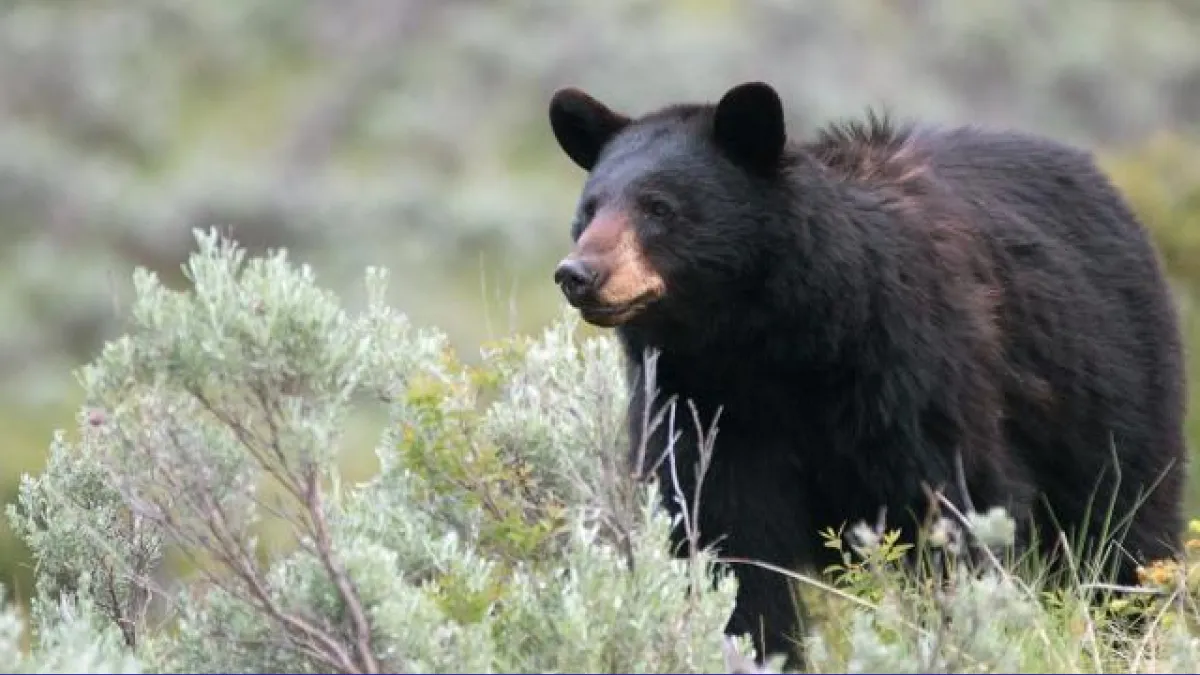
point(500, 533)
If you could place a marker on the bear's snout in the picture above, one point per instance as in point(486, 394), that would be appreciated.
point(577, 279)
point(607, 276)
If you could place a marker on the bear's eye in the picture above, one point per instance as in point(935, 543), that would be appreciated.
point(588, 210)
point(657, 207)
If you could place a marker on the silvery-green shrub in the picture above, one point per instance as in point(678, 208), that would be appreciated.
point(489, 540)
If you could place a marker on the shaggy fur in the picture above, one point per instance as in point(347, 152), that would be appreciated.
point(873, 306)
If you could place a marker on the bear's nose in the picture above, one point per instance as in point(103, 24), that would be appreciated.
point(576, 278)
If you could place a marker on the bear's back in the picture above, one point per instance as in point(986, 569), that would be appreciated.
point(1015, 177)
point(1039, 202)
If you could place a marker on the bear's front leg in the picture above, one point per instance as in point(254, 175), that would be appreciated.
point(767, 611)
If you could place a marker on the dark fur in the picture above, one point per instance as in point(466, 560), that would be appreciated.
point(866, 305)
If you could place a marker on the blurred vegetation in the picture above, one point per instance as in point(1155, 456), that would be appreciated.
point(411, 134)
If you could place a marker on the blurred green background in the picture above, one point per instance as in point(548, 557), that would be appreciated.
point(413, 134)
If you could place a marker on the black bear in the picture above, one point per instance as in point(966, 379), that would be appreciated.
point(876, 310)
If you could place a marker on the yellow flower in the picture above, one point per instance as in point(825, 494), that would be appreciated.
point(1159, 573)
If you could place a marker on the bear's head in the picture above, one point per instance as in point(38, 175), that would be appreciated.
point(672, 201)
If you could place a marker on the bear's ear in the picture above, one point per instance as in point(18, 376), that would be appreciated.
point(748, 125)
point(582, 125)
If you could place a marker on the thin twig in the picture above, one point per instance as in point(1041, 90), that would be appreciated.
point(706, 444)
point(337, 572)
